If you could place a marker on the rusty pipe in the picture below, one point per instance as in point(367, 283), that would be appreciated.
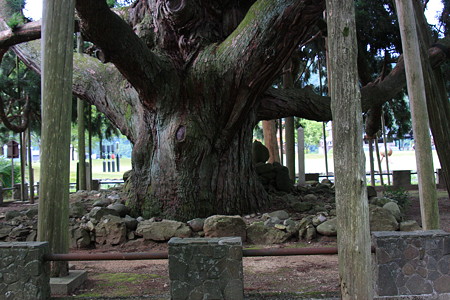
point(105, 256)
point(164, 255)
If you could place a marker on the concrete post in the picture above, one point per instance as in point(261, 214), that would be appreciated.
point(206, 268)
point(401, 178)
point(301, 155)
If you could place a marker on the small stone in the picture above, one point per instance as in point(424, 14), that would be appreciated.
point(410, 225)
point(280, 227)
point(310, 198)
point(394, 209)
point(196, 224)
point(328, 227)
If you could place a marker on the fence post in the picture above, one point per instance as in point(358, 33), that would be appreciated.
point(1, 194)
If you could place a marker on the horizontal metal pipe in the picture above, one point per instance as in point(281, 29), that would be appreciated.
point(289, 251)
point(105, 256)
point(164, 255)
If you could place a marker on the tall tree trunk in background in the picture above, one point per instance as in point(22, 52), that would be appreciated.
point(288, 82)
point(438, 103)
point(270, 140)
point(81, 131)
point(419, 113)
point(352, 209)
point(57, 51)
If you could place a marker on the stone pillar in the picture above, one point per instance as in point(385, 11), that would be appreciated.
point(301, 155)
point(23, 273)
point(401, 178)
point(312, 177)
point(96, 185)
point(206, 268)
point(440, 179)
point(413, 263)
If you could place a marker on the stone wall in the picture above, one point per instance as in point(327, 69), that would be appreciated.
point(23, 273)
point(206, 268)
point(412, 263)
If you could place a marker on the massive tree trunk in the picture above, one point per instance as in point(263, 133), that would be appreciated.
point(186, 82)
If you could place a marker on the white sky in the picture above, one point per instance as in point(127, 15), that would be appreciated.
point(33, 9)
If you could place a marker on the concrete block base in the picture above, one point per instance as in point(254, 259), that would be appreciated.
point(66, 285)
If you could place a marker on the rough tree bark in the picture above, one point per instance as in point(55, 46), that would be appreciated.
point(186, 84)
point(270, 140)
point(81, 131)
point(53, 221)
point(355, 268)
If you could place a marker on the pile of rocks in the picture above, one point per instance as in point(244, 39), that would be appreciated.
point(101, 218)
point(274, 177)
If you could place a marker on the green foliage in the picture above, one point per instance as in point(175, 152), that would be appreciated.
point(399, 195)
point(16, 5)
point(15, 21)
point(5, 172)
point(313, 132)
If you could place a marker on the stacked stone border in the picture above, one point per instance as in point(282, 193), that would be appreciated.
point(23, 273)
point(412, 263)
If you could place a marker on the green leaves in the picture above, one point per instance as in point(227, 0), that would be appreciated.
point(15, 21)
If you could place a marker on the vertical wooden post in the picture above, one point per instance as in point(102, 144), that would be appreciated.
point(30, 166)
point(416, 91)
point(81, 130)
point(57, 54)
point(351, 195)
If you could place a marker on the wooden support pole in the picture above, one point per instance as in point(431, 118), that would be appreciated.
point(355, 265)
point(417, 100)
point(57, 66)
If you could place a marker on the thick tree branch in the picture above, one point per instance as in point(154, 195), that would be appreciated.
point(304, 103)
point(24, 117)
point(27, 32)
point(148, 72)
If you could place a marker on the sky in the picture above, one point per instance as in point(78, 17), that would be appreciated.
point(33, 9)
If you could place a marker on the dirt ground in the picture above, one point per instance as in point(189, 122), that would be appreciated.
point(289, 277)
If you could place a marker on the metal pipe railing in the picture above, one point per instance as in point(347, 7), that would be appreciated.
point(164, 255)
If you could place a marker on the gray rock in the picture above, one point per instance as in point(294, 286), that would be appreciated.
point(394, 209)
point(260, 152)
point(410, 225)
point(77, 209)
point(328, 227)
point(303, 226)
point(196, 224)
point(271, 222)
point(31, 213)
point(319, 219)
point(11, 214)
point(110, 230)
point(5, 229)
point(121, 209)
point(310, 233)
point(291, 226)
point(310, 198)
point(163, 231)
point(382, 220)
point(225, 226)
point(80, 237)
point(302, 206)
point(102, 202)
point(279, 214)
point(140, 219)
point(97, 213)
point(130, 223)
point(257, 233)
point(371, 192)
point(282, 179)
